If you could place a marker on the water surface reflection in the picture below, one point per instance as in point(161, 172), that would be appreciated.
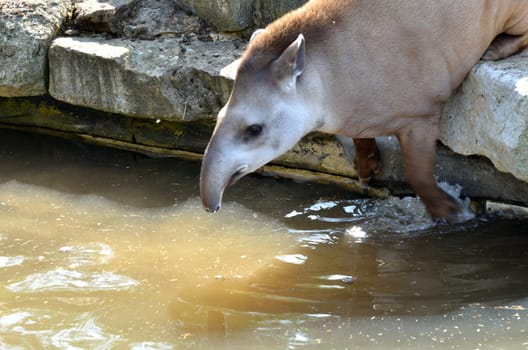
point(105, 249)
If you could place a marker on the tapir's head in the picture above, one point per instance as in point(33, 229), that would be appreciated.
point(264, 117)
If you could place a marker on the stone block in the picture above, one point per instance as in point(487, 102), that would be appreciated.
point(266, 11)
point(26, 30)
point(488, 115)
point(224, 15)
point(173, 79)
point(240, 15)
point(97, 16)
point(143, 19)
point(43, 113)
point(146, 19)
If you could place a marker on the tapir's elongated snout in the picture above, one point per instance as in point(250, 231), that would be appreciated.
point(218, 171)
point(213, 179)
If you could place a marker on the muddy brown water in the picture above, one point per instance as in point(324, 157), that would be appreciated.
point(105, 249)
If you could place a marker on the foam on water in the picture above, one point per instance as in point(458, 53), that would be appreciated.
point(455, 191)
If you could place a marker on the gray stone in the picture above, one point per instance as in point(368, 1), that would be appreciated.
point(148, 19)
point(96, 15)
point(26, 30)
point(166, 79)
point(489, 115)
point(240, 15)
point(143, 19)
point(266, 11)
point(224, 15)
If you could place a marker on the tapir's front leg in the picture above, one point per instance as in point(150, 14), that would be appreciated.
point(418, 147)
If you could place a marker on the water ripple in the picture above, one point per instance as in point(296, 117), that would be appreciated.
point(88, 254)
point(8, 261)
point(69, 280)
point(85, 334)
point(296, 259)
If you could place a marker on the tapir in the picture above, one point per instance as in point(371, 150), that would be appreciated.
point(359, 69)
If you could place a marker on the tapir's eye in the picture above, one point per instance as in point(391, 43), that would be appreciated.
point(254, 130)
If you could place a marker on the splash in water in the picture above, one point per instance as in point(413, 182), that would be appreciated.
point(369, 216)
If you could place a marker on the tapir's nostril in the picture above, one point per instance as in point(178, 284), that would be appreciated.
point(211, 210)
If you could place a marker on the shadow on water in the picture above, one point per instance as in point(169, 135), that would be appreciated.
point(284, 265)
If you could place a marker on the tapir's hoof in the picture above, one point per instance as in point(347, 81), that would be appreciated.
point(450, 212)
point(365, 174)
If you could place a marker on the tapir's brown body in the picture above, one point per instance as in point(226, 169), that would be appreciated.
point(358, 68)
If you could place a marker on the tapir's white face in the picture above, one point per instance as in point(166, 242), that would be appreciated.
point(259, 124)
point(264, 117)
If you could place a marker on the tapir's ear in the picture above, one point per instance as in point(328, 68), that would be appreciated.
point(290, 63)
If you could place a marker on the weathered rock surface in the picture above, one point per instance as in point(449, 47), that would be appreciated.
point(489, 115)
point(26, 31)
point(167, 79)
point(224, 16)
point(240, 15)
point(267, 10)
point(49, 115)
point(143, 19)
point(146, 19)
point(97, 16)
